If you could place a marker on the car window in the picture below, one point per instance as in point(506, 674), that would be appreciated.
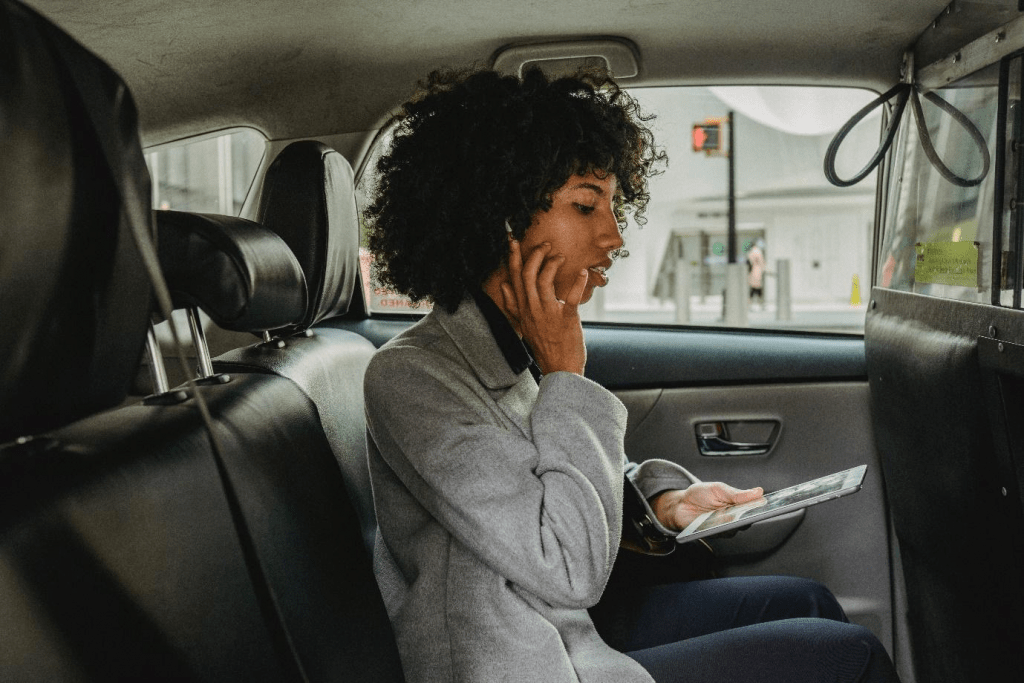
point(809, 243)
point(211, 174)
point(379, 299)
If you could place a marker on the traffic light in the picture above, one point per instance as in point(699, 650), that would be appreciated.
point(707, 137)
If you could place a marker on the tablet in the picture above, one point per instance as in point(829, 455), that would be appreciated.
point(775, 503)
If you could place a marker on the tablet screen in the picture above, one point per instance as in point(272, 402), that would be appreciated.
point(775, 503)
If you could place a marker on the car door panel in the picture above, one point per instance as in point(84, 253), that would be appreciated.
point(809, 397)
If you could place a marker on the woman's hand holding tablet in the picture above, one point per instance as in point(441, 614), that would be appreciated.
point(775, 503)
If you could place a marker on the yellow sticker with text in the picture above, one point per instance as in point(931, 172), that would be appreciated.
point(947, 263)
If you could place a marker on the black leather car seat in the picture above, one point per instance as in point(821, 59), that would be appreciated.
point(305, 530)
point(308, 199)
point(147, 542)
point(117, 548)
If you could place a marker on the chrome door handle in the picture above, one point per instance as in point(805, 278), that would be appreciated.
point(712, 440)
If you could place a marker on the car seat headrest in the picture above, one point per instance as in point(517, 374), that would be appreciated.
point(238, 272)
point(309, 200)
point(74, 190)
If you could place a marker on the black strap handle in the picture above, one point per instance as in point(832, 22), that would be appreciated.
point(902, 92)
point(929, 149)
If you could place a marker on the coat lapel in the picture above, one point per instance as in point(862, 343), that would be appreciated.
point(468, 330)
point(517, 402)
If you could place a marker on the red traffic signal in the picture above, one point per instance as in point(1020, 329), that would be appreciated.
point(707, 137)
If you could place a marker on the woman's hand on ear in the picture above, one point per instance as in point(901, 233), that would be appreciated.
point(550, 326)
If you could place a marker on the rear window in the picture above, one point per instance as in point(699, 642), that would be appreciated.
point(211, 174)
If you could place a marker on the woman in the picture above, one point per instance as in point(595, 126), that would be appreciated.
point(755, 272)
point(497, 468)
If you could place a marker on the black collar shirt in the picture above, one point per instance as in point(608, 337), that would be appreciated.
point(516, 351)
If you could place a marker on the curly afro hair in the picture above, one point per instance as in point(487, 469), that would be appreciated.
point(476, 149)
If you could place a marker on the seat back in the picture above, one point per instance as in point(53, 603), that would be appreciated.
point(309, 200)
point(290, 487)
point(75, 296)
point(953, 459)
point(121, 559)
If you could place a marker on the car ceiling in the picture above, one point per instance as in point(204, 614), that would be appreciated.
point(304, 68)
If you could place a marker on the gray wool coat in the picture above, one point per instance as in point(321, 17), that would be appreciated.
point(499, 506)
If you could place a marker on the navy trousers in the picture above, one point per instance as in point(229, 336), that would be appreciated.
point(763, 629)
